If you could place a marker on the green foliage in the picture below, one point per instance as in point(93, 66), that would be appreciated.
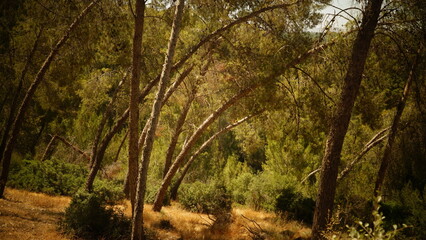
point(210, 198)
point(89, 217)
point(50, 176)
point(295, 206)
point(375, 231)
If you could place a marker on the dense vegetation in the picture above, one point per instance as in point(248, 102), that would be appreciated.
point(237, 114)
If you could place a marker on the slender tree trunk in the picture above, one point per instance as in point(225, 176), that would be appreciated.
point(145, 91)
point(176, 133)
point(104, 119)
point(159, 198)
point(175, 187)
point(342, 115)
point(7, 154)
point(134, 103)
point(378, 138)
point(137, 219)
point(386, 159)
point(13, 107)
point(48, 149)
point(121, 146)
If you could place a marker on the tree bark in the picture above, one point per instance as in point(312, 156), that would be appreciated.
point(137, 219)
point(48, 148)
point(134, 101)
point(176, 134)
point(104, 119)
point(340, 122)
point(145, 91)
point(386, 159)
point(7, 154)
point(13, 107)
point(191, 141)
point(175, 187)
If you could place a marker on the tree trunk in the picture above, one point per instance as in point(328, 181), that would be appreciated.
point(175, 187)
point(134, 100)
point(137, 219)
point(11, 118)
point(394, 128)
point(145, 91)
point(340, 122)
point(378, 138)
point(104, 119)
point(7, 154)
point(48, 149)
point(191, 141)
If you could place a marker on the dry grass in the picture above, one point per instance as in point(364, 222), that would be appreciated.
point(26, 215)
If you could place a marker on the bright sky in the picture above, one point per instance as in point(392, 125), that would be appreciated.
point(340, 21)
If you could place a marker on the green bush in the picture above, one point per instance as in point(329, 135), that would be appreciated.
point(205, 198)
point(295, 205)
point(90, 217)
point(50, 176)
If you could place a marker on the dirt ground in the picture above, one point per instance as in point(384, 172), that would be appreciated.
point(25, 215)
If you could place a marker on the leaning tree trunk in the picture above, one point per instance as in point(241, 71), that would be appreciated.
point(394, 128)
point(159, 198)
point(137, 219)
point(7, 154)
point(134, 101)
point(175, 187)
point(342, 115)
point(120, 122)
point(15, 99)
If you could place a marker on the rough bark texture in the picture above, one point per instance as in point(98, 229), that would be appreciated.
point(175, 187)
point(137, 219)
point(159, 198)
point(134, 101)
point(386, 159)
point(145, 91)
point(340, 122)
point(29, 95)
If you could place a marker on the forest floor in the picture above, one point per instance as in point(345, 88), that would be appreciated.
point(28, 215)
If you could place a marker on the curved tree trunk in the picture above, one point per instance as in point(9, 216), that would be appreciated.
point(159, 198)
point(340, 122)
point(137, 219)
point(175, 187)
point(29, 95)
point(11, 118)
point(394, 128)
point(145, 91)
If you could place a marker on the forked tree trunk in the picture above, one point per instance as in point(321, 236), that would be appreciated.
point(159, 198)
point(175, 187)
point(134, 100)
point(342, 115)
point(137, 219)
point(145, 91)
point(7, 154)
point(386, 159)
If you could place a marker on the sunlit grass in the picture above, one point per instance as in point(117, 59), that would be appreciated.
point(27, 215)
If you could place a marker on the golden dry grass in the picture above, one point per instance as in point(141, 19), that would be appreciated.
point(27, 215)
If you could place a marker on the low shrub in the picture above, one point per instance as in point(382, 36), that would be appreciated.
point(200, 197)
point(51, 176)
point(90, 217)
point(295, 205)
